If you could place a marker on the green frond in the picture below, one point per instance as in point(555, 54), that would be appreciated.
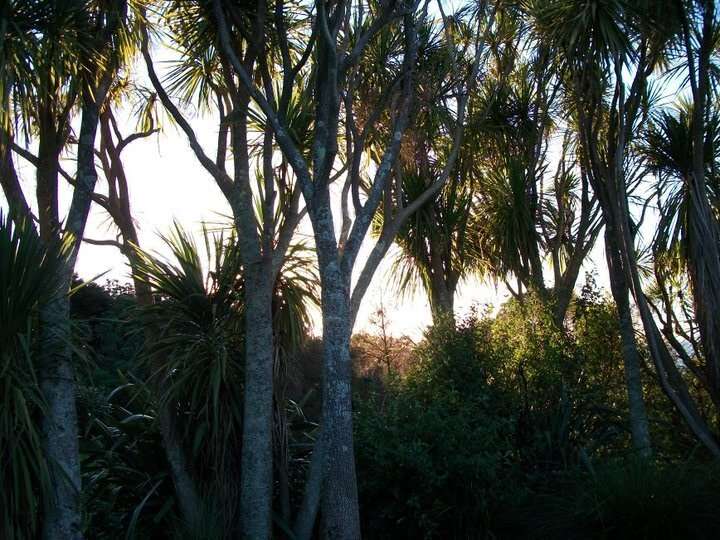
point(25, 264)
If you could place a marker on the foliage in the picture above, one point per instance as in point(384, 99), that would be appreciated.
point(25, 264)
point(126, 483)
point(630, 499)
point(432, 457)
point(500, 415)
point(196, 334)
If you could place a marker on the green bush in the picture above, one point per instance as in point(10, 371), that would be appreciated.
point(498, 410)
point(434, 455)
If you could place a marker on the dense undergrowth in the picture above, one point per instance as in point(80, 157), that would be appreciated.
point(495, 426)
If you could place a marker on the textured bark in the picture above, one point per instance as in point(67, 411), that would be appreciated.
point(257, 454)
point(563, 296)
point(256, 487)
point(60, 428)
point(340, 510)
point(259, 266)
point(639, 426)
point(438, 261)
point(341, 518)
point(57, 381)
point(442, 301)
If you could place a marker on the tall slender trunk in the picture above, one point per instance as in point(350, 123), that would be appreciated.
point(639, 426)
point(257, 454)
point(188, 499)
point(10, 184)
point(563, 296)
point(57, 379)
point(341, 518)
point(56, 375)
point(61, 520)
point(564, 287)
point(704, 232)
point(670, 377)
point(704, 271)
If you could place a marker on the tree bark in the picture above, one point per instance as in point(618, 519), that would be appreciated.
point(639, 426)
point(341, 518)
point(61, 520)
point(187, 497)
point(57, 379)
point(257, 453)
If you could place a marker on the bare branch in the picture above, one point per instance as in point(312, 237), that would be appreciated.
point(221, 178)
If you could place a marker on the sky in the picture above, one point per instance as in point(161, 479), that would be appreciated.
point(168, 185)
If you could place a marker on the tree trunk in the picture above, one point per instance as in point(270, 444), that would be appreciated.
point(61, 520)
point(57, 380)
point(704, 233)
point(564, 288)
point(704, 271)
point(17, 203)
point(257, 452)
point(670, 377)
point(187, 497)
point(442, 301)
point(639, 426)
point(563, 296)
point(341, 518)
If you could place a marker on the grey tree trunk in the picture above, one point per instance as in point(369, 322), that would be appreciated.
point(257, 452)
point(341, 518)
point(57, 379)
point(563, 296)
point(639, 426)
point(565, 286)
point(61, 520)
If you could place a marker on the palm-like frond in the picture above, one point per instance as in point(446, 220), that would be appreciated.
point(195, 357)
point(504, 230)
point(25, 264)
point(667, 150)
point(197, 351)
point(560, 206)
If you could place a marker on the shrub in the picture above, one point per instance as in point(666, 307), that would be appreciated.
point(433, 457)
